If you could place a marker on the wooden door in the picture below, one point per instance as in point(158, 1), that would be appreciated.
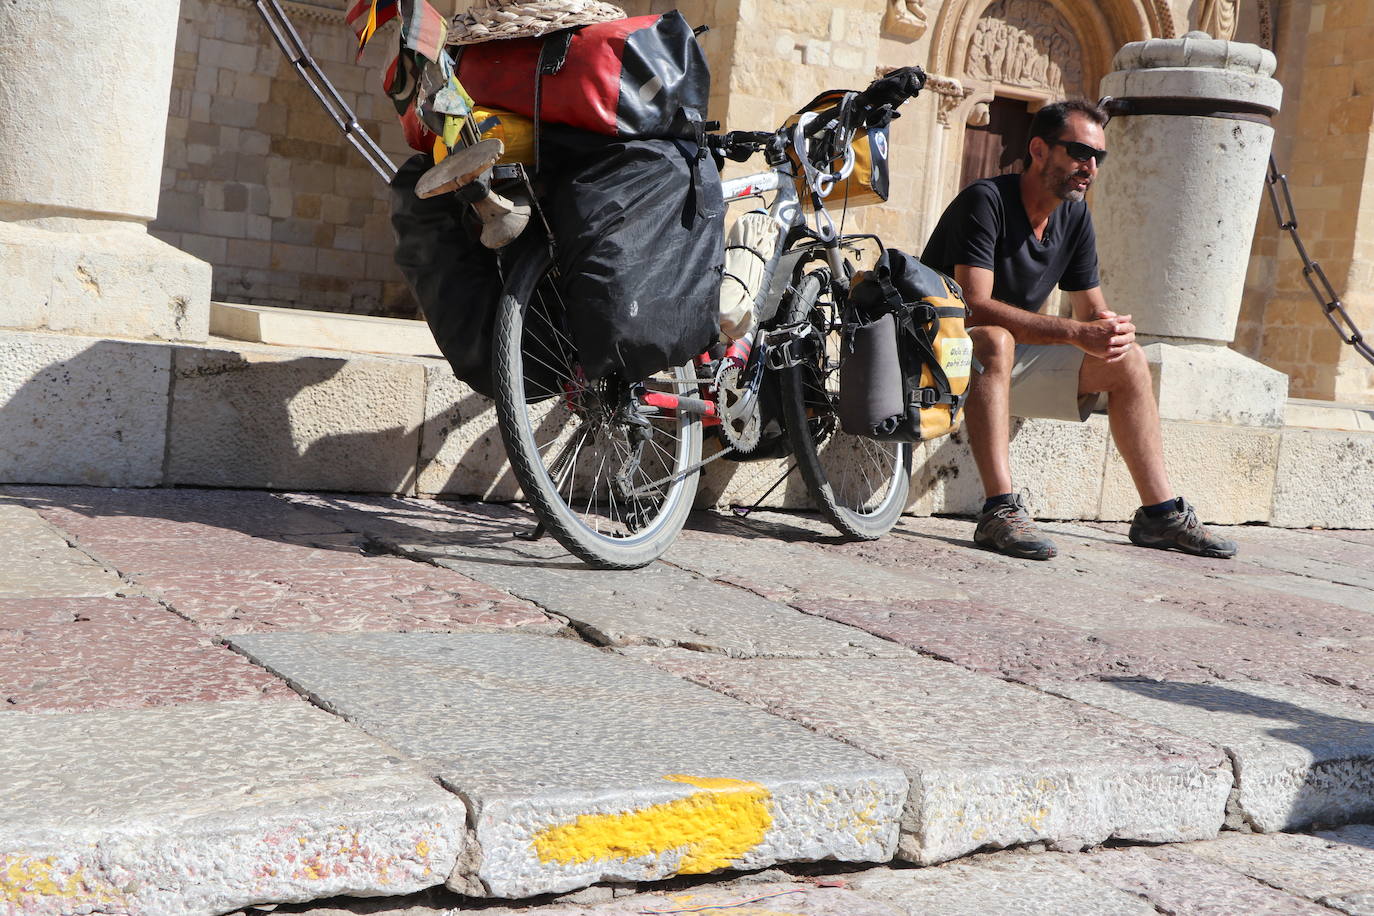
point(998, 147)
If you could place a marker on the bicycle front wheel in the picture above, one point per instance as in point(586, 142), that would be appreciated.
point(606, 475)
point(859, 484)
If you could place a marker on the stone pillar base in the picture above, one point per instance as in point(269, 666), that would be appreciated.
point(1215, 384)
point(113, 281)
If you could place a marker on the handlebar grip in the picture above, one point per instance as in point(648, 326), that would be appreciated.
point(893, 89)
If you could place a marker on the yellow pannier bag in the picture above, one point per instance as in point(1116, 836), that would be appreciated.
point(869, 182)
point(907, 359)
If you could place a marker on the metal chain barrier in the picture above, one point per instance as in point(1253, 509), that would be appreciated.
point(1326, 296)
point(289, 40)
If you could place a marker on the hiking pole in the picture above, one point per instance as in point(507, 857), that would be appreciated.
point(289, 40)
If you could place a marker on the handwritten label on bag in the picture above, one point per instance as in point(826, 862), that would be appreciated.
point(956, 356)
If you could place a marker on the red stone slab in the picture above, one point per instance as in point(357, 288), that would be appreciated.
point(73, 654)
point(171, 512)
point(386, 595)
point(1132, 592)
point(1034, 650)
point(1004, 642)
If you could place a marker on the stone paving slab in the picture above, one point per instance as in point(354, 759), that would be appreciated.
point(1008, 885)
point(1300, 759)
point(40, 563)
point(1333, 868)
point(1297, 552)
point(790, 569)
point(581, 766)
point(738, 899)
point(990, 764)
point(382, 593)
point(66, 654)
point(1178, 883)
point(658, 605)
point(171, 513)
point(201, 808)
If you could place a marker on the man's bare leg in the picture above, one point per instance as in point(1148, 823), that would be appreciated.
point(1133, 417)
point(1004, 525)
point(988, 414)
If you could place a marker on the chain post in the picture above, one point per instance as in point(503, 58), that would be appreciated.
point(1321, 287)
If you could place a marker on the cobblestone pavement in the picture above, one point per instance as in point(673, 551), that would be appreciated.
point(344, 704)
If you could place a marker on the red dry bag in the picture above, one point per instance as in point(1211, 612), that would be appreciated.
point(638, 78)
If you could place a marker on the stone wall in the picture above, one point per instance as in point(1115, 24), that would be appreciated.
point(1324, 146)
point(259, 182)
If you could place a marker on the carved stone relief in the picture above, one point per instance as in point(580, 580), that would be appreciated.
point(1026, 43)
point(906, 18)
point(949, 93)
point(1217, 18)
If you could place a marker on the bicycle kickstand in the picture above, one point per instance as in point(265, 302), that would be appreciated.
point(533, 534)
point(743, 511)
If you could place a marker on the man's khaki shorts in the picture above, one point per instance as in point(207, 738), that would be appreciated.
point(1044, 383)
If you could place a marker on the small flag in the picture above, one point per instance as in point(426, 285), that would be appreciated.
point(423, 29)
point(367, 16)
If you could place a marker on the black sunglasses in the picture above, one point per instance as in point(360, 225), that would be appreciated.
point(1080, 152)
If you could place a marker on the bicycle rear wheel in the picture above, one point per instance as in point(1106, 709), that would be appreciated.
point(603, 473)
point(860, 485)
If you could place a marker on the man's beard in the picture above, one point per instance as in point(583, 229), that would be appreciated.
point(1062, 186)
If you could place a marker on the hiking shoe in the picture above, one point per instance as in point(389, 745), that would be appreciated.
point(1179, 530)
point(1008, 529)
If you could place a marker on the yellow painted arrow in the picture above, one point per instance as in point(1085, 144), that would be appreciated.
point(714, 828)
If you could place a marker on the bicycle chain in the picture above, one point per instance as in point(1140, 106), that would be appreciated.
point(1331, 304)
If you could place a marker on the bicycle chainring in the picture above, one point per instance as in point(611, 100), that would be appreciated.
point(740, 421)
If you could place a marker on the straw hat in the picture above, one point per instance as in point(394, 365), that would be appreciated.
point(488, 20)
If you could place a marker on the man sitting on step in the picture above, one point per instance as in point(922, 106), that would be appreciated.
point(1008, 241)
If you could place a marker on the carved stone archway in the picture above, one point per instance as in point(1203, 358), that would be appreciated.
point(1035, 50)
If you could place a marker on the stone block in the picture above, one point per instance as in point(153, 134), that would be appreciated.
point(1226, 472)
point(1325, 479)
point(990, 764)
point(1215, 384)
point(273, 418)
point(461, 450)
point(119, 282)
point(1299, 758)
point(319, 330)
point(82, 411)
point(582, 767)
point(205, 808)
point(1059, 462)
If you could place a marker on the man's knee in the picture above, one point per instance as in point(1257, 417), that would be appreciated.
point(993, 347)
point(1131, 372)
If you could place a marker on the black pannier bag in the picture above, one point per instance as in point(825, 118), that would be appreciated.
point(640, 230)
point(908, 359)
point(454, 278)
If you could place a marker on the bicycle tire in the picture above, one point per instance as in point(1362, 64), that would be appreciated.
point(545, 408)
point(860, 485)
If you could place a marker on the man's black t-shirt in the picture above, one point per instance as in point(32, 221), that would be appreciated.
point(986, 226)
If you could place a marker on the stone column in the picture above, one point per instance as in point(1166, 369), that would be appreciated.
point(1175, 210)
point(83, 116)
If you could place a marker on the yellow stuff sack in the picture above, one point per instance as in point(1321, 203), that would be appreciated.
point(907, 360)
point(516, 133)
point(869, 182)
